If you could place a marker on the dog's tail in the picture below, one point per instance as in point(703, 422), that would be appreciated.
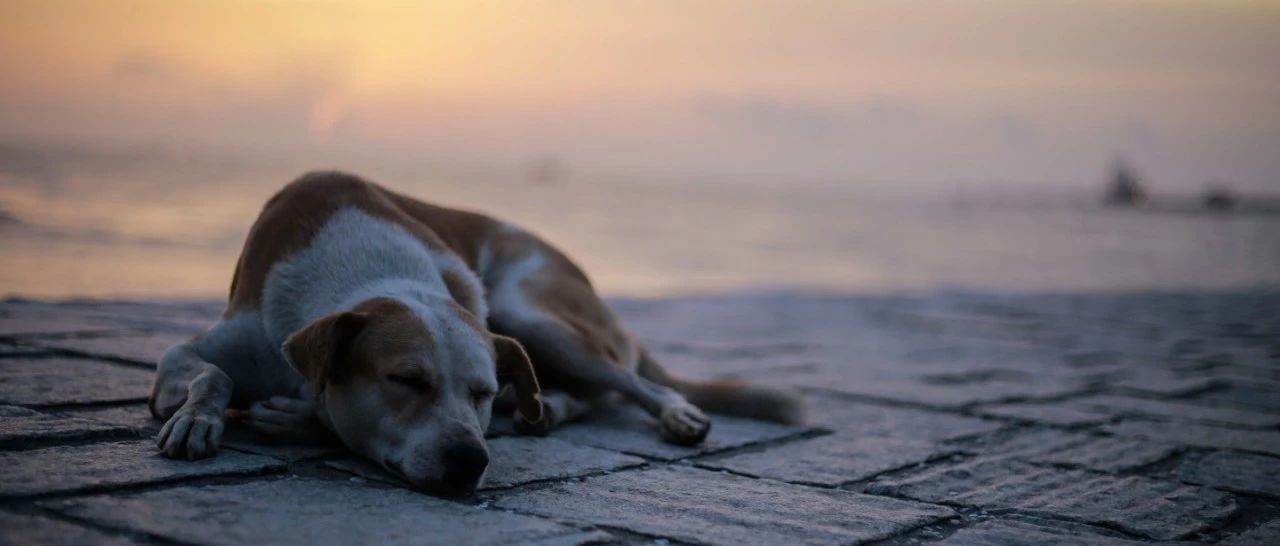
point(731, 396)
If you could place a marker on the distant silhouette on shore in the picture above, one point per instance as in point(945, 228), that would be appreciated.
point(1125, 189)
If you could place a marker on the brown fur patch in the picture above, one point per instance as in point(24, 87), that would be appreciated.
point(292, 217)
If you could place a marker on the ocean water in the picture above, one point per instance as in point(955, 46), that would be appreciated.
point(120, 227)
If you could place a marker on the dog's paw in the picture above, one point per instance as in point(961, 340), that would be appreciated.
point(283, 418)
point(194, 432)
point(683, 424)
point(540, 427)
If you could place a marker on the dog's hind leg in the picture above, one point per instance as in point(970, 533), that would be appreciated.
point(556, 351)
point(286, 419)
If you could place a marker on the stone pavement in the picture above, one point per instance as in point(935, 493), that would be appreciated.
point(949, 417)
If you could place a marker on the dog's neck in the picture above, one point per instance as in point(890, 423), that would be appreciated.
point(353, 258)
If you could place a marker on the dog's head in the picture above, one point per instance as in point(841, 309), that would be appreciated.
point(412, 387)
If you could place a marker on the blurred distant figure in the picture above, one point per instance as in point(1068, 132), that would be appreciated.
point(1219, 198)
point(1125, 189)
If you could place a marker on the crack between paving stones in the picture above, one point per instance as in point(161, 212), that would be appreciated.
point(229, 477)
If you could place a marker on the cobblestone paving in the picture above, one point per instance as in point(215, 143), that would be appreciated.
point(959, 418)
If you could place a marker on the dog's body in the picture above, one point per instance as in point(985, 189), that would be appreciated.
point(390, 321)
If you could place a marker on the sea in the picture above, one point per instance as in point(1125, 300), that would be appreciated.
point(130, 226)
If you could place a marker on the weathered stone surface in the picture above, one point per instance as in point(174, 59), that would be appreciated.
point(956, 391)
point(32, 530)
point(1053, 413)
point(1156, 509)
point(830, 460)
point(291, 453)
point(1253, 395)
point(1051, 446)
point(1180, 411)
point(75, 468)
point(855, 419)
point(314, 512)
point(1267, 534)
point(187, 316)
point(25, 319)
point(629, 430)
point(1017, 533)
point(142, 348)
point(518, 460)
point(1263, 441)
point(522, 459)
point(1240, 472)
point(136, 417)
point(714, 508)
point(1164, 382)
point(54, 381)
point(22, 426)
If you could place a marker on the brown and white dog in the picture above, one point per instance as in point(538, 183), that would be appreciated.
point(392, 323)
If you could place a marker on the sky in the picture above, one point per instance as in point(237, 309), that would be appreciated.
point(897, 93)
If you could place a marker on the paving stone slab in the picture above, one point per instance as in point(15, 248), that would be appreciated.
point(56, 381)
point(1263, 441)
point(708, 507)
point(961, 390)
point(290, 453)
point(22, 426)
point(829, 460)
point(1061, 413)
point(1267, 534)
point(1174, 410)
point(309, 512)
point(242, 438)
point(853, 418)
point(1240, 472)
point(21, 320)
point(134, 416)
point(1252, 395)
point(1052, 446)
point(1017, 533)
point(1164, 382)
point(33, 530)
point(630, 430)
point(141, 348)
point(518, 460)
point(191, 316)
point(1155, 509)
point(75, 468)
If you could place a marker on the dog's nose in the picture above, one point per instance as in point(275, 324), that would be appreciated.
point(464, 463)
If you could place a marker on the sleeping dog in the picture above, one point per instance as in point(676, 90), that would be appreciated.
point(393, 323)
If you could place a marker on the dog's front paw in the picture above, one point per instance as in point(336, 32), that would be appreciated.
point(683, 424)
point(193, 432)
point(285, 419)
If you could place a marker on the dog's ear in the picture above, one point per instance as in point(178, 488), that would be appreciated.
point(515, 369)
point(318, 349)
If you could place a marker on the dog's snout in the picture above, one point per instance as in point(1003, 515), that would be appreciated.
point(464, 464)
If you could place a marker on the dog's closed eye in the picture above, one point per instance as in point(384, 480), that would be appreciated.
point(481, 395)
point(412, 381)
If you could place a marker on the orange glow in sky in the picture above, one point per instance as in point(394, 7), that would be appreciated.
point(902, 91)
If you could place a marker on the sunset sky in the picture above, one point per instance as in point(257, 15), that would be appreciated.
point(891, 92)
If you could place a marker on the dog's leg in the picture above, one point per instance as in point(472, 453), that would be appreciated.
point(558, 408)
point(192, 395)
point(287, 420)
point(550, 345)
